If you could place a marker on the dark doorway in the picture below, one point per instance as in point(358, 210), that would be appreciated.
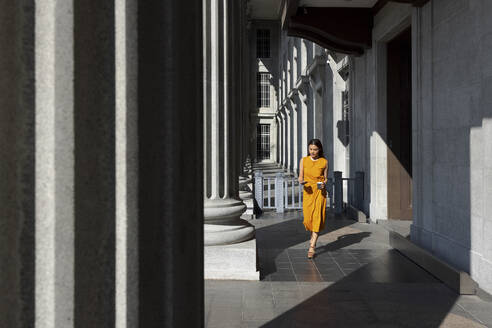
point(399, 126)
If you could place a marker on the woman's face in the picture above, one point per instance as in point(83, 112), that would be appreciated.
point(313, 151)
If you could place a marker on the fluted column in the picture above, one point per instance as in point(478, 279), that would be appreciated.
point(278, 138)
point(283, 121)
point(170, 125)
point(223, 207)
point(295, 131)
point(290, 135)
point(304, 90)
point(17, 196)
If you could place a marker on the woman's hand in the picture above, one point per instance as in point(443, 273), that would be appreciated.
point(301, 181)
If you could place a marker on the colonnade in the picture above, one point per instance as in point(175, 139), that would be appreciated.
point(110, 114)
point(302, 64)
point(311, 105)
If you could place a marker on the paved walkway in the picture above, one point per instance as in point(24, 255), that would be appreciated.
point(356, 280)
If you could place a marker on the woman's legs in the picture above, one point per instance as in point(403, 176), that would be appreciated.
point(314, 238)
point(312, 244)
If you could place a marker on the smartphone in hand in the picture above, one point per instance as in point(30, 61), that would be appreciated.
point(303, 182)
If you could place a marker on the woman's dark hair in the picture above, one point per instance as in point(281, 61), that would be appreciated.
point(318, 144)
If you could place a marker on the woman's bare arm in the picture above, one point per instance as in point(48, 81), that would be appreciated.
point(301, 173)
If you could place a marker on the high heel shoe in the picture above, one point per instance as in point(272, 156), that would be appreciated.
point(310, 253)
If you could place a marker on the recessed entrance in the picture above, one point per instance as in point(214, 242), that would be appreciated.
point(399, 126)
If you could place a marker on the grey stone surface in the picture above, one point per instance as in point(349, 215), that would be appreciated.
point(94, 190)
point(222, 205)
point(451, 114)
point(170, 132)
point(457, 280)
point(55, 165)
point(126, 134)
point(452, 219)
point(377, 288)
point(17, 261)
point(236, 261)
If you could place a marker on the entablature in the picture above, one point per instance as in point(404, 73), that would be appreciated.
point(345, 30)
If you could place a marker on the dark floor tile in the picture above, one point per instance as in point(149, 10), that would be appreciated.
point(276, 277)
point(336, 276)
point(327, 270)
point(303, 271)
point(283, 265)
point(309, 277)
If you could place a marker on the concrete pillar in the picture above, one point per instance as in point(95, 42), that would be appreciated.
point(290, 135)
point(283, 115)
point(259, 189)
point(71, 170)
point(304, 89)
point(55, 218)
point(276, 140)
point(170, 126)
point(226, 235)
point(338, 192)
point(300, 131)
point(279, 138)
point(94, 176)
point(245, 192)
point(126, 53)
point(279, 192)
point(17, 170)
point(295, 131)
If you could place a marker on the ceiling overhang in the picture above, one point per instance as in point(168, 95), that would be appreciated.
point(333, 25)
point(345, 30)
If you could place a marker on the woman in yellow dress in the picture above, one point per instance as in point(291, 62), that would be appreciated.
point(313, 174)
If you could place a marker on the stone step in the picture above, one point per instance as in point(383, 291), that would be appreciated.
point(457, 280)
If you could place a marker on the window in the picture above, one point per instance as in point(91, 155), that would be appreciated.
point(263, 90)
point(263, 142)
point(262, 43)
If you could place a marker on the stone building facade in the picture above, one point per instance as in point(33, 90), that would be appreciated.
point(409, 90)
point(122, 141)
point(263, 88)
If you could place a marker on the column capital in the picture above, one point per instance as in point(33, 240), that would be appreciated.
point(292, 93)
point(302, 84)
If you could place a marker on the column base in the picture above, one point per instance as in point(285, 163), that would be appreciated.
point(249, 213)
point(232, 262)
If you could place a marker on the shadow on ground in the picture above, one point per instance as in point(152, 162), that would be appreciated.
point(275, 240)
point(351, 287)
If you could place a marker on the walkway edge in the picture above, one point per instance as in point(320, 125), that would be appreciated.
point(459, 281)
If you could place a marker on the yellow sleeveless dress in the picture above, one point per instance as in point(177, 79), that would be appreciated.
point(314, 202)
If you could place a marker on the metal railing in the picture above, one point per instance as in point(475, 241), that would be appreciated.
point(287, 193)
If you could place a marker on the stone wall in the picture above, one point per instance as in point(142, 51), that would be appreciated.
point(455, 218)
point(451, 122)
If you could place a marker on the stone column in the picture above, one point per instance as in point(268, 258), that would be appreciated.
point(55, 165)
point(230, 251)
point(273, 140)
point(300, 130)
point(305, 123)
point(126, 135)
point(290, 134)
point(295, 132)
point(245, 180)
point(283, 117)
point(71, 175)
point(279, 138)
point(17, 165)
point(170, 130)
